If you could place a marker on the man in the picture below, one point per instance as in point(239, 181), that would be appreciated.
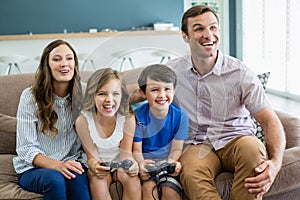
point(223, 94)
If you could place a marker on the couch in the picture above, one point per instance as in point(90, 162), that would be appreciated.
point(286, 185)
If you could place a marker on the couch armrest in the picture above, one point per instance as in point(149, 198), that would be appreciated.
point(291, 125)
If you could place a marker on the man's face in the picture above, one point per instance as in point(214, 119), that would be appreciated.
point(203, 35)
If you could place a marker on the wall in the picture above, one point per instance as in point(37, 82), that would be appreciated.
point(105, 51)
point(42, 16)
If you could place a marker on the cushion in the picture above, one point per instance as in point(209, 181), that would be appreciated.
point(288, 178)
point(14, 85)
point(8, 134)
point(9, 188)
point(264, 77)
point(291, 125)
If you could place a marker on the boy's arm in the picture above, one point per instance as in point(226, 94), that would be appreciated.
point(137, 151)
point(175, 153)
point(176, 150)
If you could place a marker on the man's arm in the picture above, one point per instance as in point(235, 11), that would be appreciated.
point(275, 143)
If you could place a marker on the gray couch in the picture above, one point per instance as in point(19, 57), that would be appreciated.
point(286, 185)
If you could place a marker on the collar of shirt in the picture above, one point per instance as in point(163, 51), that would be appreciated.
point(62, 101)
point(217, 69)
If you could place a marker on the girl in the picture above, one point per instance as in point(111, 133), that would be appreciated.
point(106, 128)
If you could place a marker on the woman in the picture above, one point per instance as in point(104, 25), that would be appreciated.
point(49, 151)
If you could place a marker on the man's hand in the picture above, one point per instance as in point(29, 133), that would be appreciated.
point(266, 174)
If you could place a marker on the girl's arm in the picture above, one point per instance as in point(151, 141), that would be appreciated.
point(127, 141)
point(126, 144)
point(89, 148)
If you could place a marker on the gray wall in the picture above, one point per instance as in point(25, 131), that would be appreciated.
point(53, 16)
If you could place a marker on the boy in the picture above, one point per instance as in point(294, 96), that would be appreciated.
point(160, 132)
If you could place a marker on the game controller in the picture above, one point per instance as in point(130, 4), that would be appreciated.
point(125, 164)
point(153, 169)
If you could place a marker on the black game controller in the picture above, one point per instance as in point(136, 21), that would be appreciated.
point(125, 164)
point(153, 169)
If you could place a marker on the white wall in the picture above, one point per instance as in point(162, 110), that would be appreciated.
point(100, 49)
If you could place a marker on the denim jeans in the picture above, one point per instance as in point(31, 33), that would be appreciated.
point(53, 185)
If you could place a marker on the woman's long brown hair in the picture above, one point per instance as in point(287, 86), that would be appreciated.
point(43, 90)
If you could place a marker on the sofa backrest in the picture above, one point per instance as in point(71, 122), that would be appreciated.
point(11, 87)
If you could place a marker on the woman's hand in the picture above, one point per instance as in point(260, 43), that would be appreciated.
point(66, 168)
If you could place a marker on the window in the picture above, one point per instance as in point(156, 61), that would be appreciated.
point(271, 42)
point(221, 8)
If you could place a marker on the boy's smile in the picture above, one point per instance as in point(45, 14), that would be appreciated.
point(160, 96)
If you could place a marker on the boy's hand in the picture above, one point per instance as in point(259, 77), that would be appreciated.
point(143, 171)
point(178, 168)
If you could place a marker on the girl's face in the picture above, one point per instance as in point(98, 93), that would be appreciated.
point(62, 63)
point(108, 98)
point(159, 95)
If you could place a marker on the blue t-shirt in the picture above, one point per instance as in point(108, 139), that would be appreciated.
point(157, 134)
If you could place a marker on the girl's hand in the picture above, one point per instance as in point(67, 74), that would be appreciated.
point(66, 168)
point(98, 170)
point(134, 168)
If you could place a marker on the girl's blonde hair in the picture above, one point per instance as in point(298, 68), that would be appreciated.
point(97, 80)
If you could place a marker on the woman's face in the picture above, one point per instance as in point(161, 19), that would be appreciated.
point(62, 63)
point(108, 98)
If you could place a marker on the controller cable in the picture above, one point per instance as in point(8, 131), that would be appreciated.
point(118, 192)
point(158, 185)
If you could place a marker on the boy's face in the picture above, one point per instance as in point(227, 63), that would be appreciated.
point(159, 95)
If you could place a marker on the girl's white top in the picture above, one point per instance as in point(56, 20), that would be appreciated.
point(108, 148)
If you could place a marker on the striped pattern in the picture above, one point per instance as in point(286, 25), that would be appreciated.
point(220, 102)
point(31, 141)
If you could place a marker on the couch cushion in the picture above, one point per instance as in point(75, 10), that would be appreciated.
point(264, 77)
point(288, 178)
point(11, 89)
point(9, 188)
point(7, 134)
point(291, 125)
point(224, 183)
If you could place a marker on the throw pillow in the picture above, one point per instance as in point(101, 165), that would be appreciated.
point(264, 77)
point(8, 127)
